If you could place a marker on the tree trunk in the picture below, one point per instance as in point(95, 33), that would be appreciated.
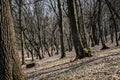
point(99, 26)
point(21, 31)
point(75, 35)
point(9, 60)
point(114, 22)
point(111, 32)
point(61, 30)
point(82, 24)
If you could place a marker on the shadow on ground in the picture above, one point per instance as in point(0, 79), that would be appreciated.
point(66, 68)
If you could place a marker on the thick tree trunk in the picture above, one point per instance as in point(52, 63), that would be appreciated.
point(9, 61)
point(75, 35)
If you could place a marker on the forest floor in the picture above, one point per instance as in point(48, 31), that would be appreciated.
point(103, 65)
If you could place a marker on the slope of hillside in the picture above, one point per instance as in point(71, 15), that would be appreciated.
point(103, 65)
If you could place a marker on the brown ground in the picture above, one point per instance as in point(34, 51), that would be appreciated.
point(103, 65)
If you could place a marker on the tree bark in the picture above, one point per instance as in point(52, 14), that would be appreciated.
point(21, 31)
point(61, 30)
point(99, 26)
point(9, 60)
point(114, 22)
point(79, 50)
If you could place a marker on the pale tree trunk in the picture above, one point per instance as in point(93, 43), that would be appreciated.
point(9, 60)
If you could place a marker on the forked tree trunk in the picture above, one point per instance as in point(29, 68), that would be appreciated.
point(9, 61)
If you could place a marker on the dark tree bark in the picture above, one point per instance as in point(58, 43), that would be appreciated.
point(61, 30)
point(114, 22)
point(94, 28)
point(82, 24)
point(111, 33)
point(99, 26)
point(21, 31)
point(94, 32)
point(75, 35)
point(9, 60)
point(119, 36)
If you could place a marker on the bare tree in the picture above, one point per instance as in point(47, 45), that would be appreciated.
point(80, 53)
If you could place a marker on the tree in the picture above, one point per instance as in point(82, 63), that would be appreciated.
point(114, 21)
point(80, 52)
point(99, 25)
point(61, 30)
point(21, 31)
point(9, 61)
